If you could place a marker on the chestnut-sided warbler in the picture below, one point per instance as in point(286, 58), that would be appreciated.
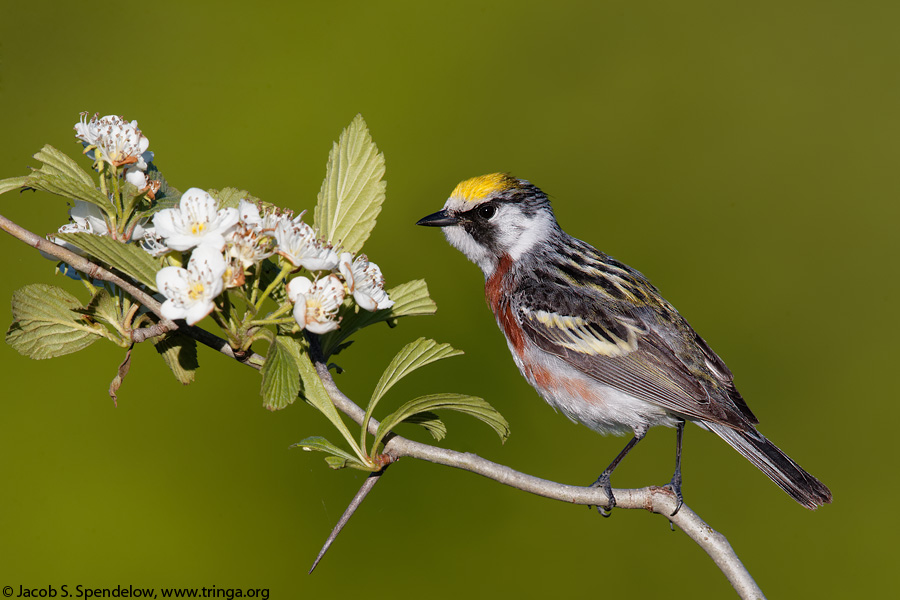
point(594, 337)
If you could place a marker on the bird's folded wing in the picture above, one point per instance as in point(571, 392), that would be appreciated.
point(630, 349)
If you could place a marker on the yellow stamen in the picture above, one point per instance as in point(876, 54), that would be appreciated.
point(196, 291)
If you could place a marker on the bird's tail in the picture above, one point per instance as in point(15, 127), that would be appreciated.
point(768, 458)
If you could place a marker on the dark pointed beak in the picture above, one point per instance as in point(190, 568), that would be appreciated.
point(439, 219)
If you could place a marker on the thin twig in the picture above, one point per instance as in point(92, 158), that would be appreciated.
point(654, 499)
point(367, 486)
point(82, 264)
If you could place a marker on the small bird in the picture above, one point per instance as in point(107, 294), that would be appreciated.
point(596, 339)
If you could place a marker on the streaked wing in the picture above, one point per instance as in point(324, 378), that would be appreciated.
point(635, 342)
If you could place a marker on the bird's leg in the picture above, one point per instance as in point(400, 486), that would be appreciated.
point(603, 480)
point(675, 484)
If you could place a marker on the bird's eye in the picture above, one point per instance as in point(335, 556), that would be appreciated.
point(487, 211)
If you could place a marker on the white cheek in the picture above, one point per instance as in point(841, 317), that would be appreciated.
point(523, 238)
point(474, 251)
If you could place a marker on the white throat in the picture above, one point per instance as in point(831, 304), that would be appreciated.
point(474, 251)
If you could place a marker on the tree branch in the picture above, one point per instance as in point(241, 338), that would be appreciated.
point(654, 499)
point(95, 271)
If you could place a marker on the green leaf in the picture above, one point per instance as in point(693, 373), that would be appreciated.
point(231, 197)
point(338, 459)
point(46, 324)
point(104, 307)
point(166, 193)
point(62, 176)
point(58, 163)
point(130, 259)
point(410, 299)
point(314, 392)
point(13, 183)
point(280, 375)
point(429, 421)
point(336, 462)
point(412, 356)
point(469, 405)
point(134, 201)
point(353, 190)
point(179, 352)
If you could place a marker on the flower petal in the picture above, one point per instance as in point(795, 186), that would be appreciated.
point(298, 286)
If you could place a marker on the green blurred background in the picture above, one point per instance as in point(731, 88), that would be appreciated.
point(741, 156)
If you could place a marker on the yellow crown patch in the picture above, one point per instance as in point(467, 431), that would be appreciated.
point(479, 188)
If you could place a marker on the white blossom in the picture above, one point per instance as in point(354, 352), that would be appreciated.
point(267, 219)
point(136, 177)
point(249, 213)
point(297, 242)
point(119, 142)
point(197, 221)
point(86, 217)
point(190, 292)
point(234, 273)
point(316, 303)
point(89, 131)
point(365, 282)
point(152, 244)
point(247, 245)
point(139, 179)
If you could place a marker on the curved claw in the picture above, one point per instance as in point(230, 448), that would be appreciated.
point(603, 482)
point(675, 486)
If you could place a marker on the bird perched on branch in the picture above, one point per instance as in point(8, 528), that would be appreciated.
point(595, 338)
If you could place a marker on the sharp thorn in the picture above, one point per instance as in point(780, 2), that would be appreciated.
point(367, 486)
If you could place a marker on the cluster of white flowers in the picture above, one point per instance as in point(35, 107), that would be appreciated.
point(120, 142)
point(227, 242)
point(224, 242)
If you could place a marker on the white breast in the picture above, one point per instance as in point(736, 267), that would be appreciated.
point(584, 400)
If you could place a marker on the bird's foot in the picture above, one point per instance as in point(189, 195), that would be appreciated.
point(603, 482)
point(675, 487)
